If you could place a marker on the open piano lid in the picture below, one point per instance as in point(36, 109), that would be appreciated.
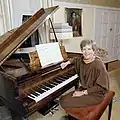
point(12, 40)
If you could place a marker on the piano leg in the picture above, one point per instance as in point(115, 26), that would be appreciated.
point(16, 116)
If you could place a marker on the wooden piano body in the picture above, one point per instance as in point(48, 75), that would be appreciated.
point(23, 90)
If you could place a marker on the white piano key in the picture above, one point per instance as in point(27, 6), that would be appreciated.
point(43, 89)
point(47, 87)
point(37, 92)
point(31, 97)
point(48, 92)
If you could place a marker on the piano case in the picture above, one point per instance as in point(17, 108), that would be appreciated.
point(22, 89)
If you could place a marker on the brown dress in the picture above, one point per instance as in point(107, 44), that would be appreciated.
point(94, 78)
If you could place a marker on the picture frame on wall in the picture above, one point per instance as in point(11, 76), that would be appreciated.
point(74, 19)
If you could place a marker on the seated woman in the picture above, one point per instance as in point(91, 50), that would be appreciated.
point(93, 78)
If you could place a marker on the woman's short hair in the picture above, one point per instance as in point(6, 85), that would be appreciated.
point(88, 42)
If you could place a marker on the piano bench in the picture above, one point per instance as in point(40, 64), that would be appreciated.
point(92, 112)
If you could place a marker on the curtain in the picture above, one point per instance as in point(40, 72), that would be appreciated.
point(5, 16)
point(44, 29)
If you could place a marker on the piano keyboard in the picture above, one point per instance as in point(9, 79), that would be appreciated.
point(44, 90)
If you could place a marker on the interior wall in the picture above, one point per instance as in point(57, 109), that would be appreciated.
point(23, 7)
point(110, 3)
point(11, 11)
point(73, 45)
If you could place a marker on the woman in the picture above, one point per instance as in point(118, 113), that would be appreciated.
point(93, 76)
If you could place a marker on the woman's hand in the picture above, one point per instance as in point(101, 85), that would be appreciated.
point(65, 64)
point(79, 93)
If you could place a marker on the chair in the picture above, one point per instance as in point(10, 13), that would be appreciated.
point(93, 112)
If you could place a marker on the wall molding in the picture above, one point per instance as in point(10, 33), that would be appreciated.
point(78, 5)
point(70, 4)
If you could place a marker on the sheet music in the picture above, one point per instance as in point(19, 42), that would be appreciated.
point(49, 53)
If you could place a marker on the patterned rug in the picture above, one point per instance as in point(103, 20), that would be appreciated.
point(5, 113)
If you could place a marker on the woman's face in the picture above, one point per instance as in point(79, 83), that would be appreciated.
point(88, 52)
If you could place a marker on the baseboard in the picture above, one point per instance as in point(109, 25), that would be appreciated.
point(114, 65)
point(114, 73)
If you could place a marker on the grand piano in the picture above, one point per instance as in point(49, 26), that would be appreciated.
point(22, 89)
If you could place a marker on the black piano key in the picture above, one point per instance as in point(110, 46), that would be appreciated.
point(32, 92)
point(60, 78)
point(64, 76)
point(49, 85)
point(30, 95)
point(40, 90)
point(52, 83)
point(55, 83)
point(44, 87)
point(58, 81)
point(48, 88)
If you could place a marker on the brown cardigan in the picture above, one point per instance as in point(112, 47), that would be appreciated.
point(93, 76)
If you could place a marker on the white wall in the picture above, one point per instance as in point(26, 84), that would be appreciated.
point(26, 7)
point(23, 7)
point(11, 11)
point(73, 45)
